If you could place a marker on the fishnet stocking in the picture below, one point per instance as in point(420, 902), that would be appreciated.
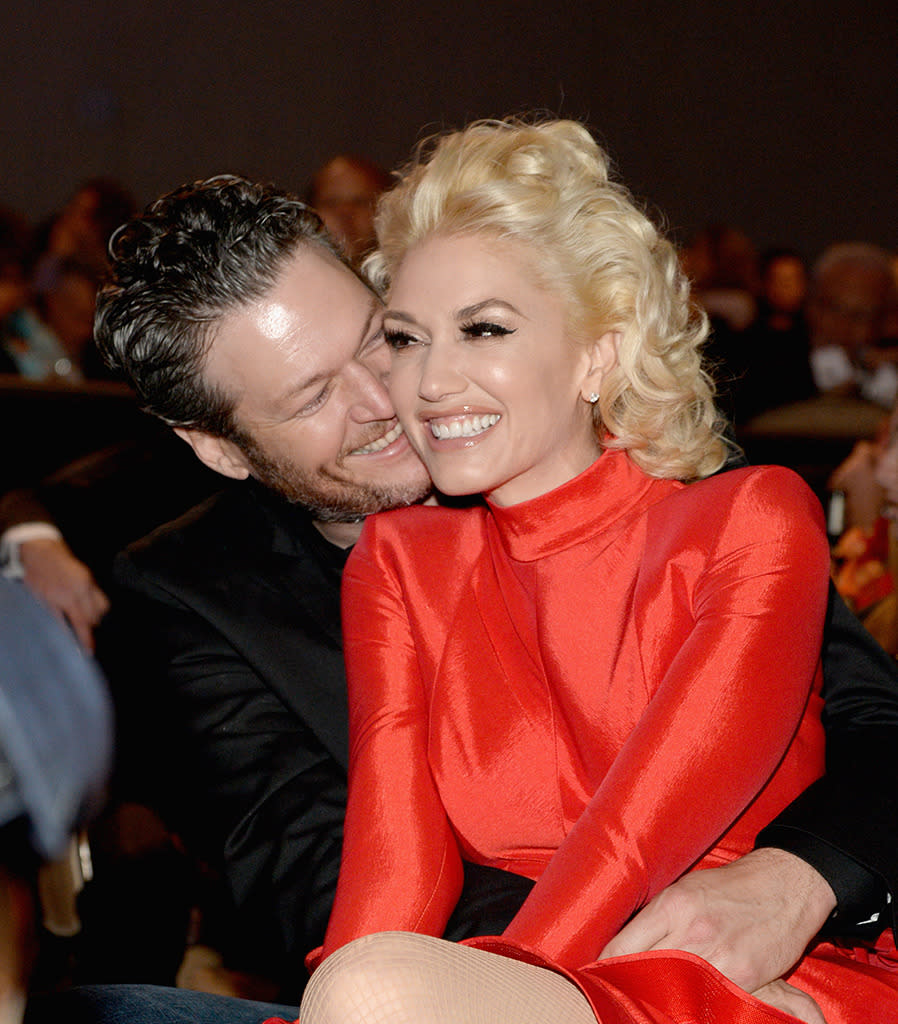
point(403, 978)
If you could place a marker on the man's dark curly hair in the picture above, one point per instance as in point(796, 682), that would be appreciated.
point(193, 256)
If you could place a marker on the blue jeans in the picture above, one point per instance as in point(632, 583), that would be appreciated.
point(149, 1004)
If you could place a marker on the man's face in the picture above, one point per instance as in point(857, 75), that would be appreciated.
point(306, 365)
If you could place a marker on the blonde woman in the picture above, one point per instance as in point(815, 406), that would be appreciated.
point(604, 674)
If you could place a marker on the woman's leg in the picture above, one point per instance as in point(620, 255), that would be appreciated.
point(403, 978)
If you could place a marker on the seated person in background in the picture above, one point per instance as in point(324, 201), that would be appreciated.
point(504, 708)
point(27, 346)
point(777, 337)
point(55, 749)
point(722, 265)
point(61, 536)
point(784, 289)
point(81, 230)
point(231, 614)
point(866, 554)
point(851, 298)
point(344, 193)
point(65, 301)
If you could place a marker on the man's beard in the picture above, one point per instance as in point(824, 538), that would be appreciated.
point(328, 499)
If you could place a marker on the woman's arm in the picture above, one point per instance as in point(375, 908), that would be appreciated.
point(401, 867)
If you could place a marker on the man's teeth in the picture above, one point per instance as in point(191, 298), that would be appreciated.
point(463, 428)
point(381, 442)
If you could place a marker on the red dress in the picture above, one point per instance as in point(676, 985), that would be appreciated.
point(601, 689)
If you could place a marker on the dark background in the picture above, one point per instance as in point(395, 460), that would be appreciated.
point(777, 117)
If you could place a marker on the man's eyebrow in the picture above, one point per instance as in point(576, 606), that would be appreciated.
point(297, 387)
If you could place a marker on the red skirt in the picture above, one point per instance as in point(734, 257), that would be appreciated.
point(851, 986)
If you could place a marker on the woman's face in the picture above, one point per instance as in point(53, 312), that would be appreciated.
point(485, 378)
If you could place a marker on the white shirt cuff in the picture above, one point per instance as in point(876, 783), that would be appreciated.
point(13, 538)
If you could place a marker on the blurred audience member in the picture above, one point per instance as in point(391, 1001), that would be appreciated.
point(723, 266)
point(27, 346)
point(865, 558)
point(66, 299)
point(46, 323)
point(81, 230)
point(55, 748)
point(344, 192)
point(16, 251)
point(61, 535)
point(770, 359)
point(852, 295)
point(784, 289)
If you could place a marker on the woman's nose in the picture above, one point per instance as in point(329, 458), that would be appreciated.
point(441, 375)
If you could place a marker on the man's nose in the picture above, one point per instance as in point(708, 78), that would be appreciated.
point(371, 400)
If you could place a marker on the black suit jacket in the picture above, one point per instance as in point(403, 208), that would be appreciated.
point(225, 643)
point(226, 627)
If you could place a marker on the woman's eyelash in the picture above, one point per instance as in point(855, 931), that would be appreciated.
point(485, 329)
point(397, 339)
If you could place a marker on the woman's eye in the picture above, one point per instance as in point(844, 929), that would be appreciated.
point(485, 329)
point(398, 339)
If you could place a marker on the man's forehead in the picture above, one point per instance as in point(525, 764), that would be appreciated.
point(312, 320)
point(312, 291)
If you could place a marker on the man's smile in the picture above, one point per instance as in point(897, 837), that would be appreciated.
point(379, 443)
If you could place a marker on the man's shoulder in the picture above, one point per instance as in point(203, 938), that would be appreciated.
point(201, 529)
point(238, 528)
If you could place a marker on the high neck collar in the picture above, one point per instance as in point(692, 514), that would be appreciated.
point(609, 490)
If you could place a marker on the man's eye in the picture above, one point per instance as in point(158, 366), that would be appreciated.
point(485, 329)
point(398, 339)
point(315, 403)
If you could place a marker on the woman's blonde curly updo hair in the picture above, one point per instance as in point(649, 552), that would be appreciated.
point(547, 185)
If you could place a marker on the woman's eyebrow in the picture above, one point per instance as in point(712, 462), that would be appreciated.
point(466, 312)
point(397, 314)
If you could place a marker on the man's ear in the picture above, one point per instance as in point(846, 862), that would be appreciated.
point(602, 358)
point(216, 452)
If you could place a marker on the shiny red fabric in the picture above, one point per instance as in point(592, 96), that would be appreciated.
point(599, 689)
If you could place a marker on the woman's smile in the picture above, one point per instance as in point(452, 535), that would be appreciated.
point(446, 428)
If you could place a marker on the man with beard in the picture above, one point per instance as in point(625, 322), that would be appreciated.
point(239, 326)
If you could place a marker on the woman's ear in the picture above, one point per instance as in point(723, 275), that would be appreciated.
point(602, 358)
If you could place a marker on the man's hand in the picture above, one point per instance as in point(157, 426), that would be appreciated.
point(752, 919)
point(789, 999)
point(64, 583)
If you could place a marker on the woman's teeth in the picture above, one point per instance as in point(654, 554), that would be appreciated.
point(463, 428)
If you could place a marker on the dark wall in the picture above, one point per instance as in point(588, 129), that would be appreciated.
point(781, 119)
